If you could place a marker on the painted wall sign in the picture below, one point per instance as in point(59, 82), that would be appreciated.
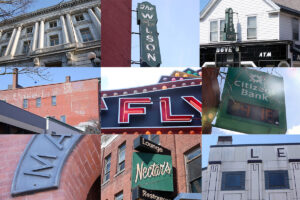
point(152, 171)
point(149, 45)
point(42, 162)
point(252, 102)
point(141, 193)
point(229, 32)
point(173, 107)
point(144, 145)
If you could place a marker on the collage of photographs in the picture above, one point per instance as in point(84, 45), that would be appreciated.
point(149, 100)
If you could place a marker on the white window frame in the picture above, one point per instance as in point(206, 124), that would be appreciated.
point(210, 32)
point(57, 39)
point(256, 28)
point(219, 24)
point(89, 30)
point(121, 161)
point(29, 46)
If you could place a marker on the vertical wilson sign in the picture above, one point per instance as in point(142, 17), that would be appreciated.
point(152, 172)
point(149, 46)
point(252, 102)
point(229, 32)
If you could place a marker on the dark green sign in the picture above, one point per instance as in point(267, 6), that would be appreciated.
point(152, 172)
point(252, 102)
point(149, 46)
point(229, 32)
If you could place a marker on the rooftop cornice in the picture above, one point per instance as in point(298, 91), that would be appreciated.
point(42, 11)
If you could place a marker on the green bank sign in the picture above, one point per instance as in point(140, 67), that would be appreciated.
point(149, 46)
point(252, 102)
point(152, 171)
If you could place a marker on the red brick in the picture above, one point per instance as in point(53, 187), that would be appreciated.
point(77, 100)
point(73, 185)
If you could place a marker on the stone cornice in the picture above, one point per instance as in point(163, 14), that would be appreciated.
point(45, 11)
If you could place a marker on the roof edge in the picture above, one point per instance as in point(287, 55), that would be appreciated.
point(211, 3)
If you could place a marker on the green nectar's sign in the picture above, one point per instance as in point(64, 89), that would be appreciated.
point(152, 172)
point(149, 46)
point(229, 32)
point(252, 102)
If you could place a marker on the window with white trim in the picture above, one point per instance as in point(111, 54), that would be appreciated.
point(121, 158)
point(251, 27)
point(107, 168)
point(214, 31)
point(222, 26)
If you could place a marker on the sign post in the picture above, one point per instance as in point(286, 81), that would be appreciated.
point(149, 46)
point(252, 102)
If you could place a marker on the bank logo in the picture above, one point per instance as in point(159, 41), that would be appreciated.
point(256, 78)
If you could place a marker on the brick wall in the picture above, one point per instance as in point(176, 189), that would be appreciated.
point(79, 173)
point(77, 100)
point(116, 33)
point(178, 144)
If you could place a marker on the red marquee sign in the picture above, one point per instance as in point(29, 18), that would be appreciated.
point(140, 109)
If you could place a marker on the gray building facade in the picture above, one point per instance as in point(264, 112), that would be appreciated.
point(67, 34)
point(252, 172)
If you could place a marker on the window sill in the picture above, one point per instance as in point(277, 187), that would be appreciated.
point(103, 184)
point(120, 172)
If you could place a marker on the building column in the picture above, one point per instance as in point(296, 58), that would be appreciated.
point(95, 20)
point(71, 29)
point(16, 40)
point(0, 34)
point(41, 34)
point(10, 42)
point(35, 36)
point(64, 30)
point(98, 13)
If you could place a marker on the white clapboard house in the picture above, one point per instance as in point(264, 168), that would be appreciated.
point(252, 172)
point(267, 33)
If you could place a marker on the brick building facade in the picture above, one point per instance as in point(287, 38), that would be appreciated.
point(73, 102)
point(116, 33)
point(118, 182)
point(79, 179)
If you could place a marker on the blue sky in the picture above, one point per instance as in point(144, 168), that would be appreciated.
point(125, 77)
point(37, 4)
point(178, 28)
point(209, 140)
point(203, 4)
point(56, 75)
point(291, 77)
